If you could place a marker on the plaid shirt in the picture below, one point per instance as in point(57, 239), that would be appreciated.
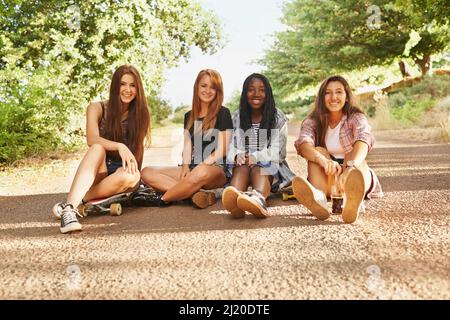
point(355, 128)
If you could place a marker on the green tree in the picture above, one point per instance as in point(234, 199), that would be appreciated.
point(433, 10)
point(324, 37)
point(233, 103)
point(160, 108)
point(55, 56)
point(95, 36)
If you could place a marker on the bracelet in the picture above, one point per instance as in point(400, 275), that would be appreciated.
point(350, 164)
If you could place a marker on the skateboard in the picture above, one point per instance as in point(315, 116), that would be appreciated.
point(111, 205)
point(287, 193)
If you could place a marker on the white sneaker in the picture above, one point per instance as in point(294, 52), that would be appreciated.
point(229, 200)
point(314, 200)
point(69, 221)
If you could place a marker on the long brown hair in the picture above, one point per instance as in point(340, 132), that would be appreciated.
point(138, 114)
point(214, 107)
point(320, 112)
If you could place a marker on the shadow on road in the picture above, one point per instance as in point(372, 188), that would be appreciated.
point(399, 167)
point(30, 216)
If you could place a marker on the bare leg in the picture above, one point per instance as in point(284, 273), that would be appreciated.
point(119, 181)
point(161, 178)
point(316, 174)
point(261, 183)
point(364, 168)
point(321, 181)
point(92, 168)
point(241, 177)
point(367, 175)
point(203, 176)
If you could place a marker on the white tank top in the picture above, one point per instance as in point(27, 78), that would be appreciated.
point(333, 143)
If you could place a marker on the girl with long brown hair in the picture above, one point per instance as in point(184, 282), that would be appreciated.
point(335, 139)
point(207, 131)
point(116, 130)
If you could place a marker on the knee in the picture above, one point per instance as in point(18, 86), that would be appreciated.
point(128, 180)
point(97, 149)
point(241, 170)
point(147, 174)
point(255, 171)
point(200, 175)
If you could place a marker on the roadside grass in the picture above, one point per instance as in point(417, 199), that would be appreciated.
point(424, 105)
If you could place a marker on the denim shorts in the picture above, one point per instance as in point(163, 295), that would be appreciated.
point(112, 165)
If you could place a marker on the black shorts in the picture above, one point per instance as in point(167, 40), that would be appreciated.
point(340, 161)
point(112, 165)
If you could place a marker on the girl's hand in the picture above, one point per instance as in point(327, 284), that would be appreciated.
point(331, 167)
point(251, 161)
point(184, 171)
point(129, 162)
point(240, 159)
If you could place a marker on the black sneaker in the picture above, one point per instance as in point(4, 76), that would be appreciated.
point(144, 188)
point(149, 199)
point(69, 221)
point(59, 207)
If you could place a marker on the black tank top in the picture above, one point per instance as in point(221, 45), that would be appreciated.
point(102, 125)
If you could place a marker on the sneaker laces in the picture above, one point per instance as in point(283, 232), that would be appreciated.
point(256, 194)
point(62, 205)
point(69, 215)
point(75, 209)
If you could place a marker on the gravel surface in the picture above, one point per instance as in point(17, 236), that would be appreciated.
point(398, 249)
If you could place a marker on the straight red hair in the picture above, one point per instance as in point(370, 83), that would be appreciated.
point(210, 120)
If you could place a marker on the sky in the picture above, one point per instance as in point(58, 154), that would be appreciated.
point(248, 27)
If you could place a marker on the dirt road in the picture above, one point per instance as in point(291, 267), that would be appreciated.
point(398, 249)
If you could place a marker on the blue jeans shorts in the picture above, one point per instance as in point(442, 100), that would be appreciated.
point(112, 165)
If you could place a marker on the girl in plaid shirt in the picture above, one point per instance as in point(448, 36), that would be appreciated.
point(335, 139)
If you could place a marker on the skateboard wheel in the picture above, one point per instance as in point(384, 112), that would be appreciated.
point(82, 210)
point(115, 209)
point(287, 196)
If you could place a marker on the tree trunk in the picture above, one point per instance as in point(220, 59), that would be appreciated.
point(424, 64)
point(404, 69)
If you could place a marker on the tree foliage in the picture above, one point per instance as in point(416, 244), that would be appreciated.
point(324, 37)
point(56, 56)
